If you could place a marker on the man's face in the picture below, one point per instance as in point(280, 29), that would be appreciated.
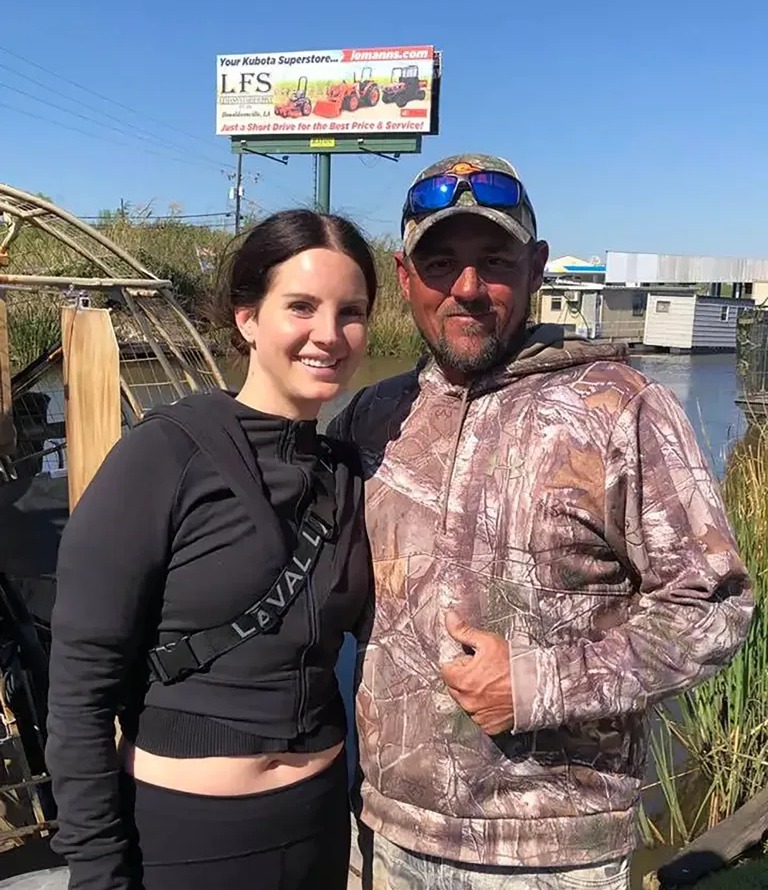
point(469, 283)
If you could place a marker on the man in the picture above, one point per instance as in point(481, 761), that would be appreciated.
point(552, 557)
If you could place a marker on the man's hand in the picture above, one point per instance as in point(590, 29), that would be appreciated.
point(481, 683)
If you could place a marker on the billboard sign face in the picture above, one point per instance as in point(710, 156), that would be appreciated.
point(326, 92)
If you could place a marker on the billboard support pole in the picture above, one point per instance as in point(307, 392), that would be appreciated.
point(238, 192)
point(323, 183)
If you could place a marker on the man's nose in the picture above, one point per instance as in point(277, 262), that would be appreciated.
point(469, 285)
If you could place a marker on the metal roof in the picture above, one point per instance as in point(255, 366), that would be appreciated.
point(623, 266)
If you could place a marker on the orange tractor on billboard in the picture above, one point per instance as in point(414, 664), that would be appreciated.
point(406, 86)
point(297, 104)
point(344, 96)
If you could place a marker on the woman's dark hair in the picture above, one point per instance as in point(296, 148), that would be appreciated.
point(246, 275)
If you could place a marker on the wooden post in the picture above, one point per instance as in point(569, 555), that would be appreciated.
point(91, 360)
point(7, 432)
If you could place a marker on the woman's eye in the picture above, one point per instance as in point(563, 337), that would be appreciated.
point(301, 308)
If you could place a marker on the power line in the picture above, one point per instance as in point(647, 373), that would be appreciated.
point(135, 131)
point(115, 102)
point(48, 104)
point(88, 119)
point(175, 216)
point(99, 95)
point(101, 136)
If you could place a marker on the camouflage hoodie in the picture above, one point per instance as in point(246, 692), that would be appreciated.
point(562, 502)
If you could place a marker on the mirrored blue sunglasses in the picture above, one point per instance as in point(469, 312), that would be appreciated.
point(438, 192)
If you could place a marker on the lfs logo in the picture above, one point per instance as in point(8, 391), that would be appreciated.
point(245, 82)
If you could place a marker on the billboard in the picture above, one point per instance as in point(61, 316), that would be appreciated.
point(326, 92)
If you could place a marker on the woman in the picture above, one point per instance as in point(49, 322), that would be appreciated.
point(231, 771)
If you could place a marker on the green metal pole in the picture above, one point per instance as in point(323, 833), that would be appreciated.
point(323, 183)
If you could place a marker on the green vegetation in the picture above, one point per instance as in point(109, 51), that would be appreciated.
point(711, 746)
point(33, 326)
point(187, 255)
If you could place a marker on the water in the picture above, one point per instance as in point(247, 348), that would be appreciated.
point(707, 386)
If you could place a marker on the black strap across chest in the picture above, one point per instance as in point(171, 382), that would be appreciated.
point(233, 458)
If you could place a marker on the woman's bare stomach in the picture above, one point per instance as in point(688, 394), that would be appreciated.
point(225, 776)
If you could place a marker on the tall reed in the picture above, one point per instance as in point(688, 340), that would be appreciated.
point(33, 325)
point(710, 748)
point(188, 256)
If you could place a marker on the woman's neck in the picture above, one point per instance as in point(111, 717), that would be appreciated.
point(259, 393)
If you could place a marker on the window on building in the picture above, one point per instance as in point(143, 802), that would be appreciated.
point(556, 303)
point(662, 305)
point(638, 305)
point(748, 289)
point(725, 312)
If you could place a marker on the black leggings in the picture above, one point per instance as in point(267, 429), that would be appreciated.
point(292, 838)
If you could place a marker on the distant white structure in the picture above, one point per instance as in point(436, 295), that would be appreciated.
point(667, 301)
point(688, 321)
point(623, 267)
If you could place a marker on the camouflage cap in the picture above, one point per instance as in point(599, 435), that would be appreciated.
point(519, 221)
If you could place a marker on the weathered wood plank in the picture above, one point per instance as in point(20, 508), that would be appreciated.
point(7, 433)
point(91, 393)
point(716, 848)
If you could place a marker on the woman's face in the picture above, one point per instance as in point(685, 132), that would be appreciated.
point(309, 333)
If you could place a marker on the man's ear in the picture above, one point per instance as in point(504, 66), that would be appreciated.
point(539, 260)
point(403, 275)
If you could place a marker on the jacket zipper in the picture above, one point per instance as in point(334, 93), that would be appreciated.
point(463, 410)
point(303, 685)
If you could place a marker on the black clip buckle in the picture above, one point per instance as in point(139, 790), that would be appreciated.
point(173, 660)
point(320, 527)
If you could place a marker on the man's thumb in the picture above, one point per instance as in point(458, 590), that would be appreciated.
point(462, 632)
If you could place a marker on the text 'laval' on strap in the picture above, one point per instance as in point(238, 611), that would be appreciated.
point(222, 438)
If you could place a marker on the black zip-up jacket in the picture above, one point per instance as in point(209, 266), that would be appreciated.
point(159, 543)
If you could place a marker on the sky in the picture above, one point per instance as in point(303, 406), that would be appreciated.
point(634, 126)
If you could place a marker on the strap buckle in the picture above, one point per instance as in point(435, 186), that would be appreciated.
point(319, 526)
point(173, 660)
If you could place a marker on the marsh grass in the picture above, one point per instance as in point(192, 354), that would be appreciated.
point(719, 730)
point(33, 326)
point(190, 257)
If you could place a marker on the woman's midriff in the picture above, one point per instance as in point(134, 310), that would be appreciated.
point(225, 776)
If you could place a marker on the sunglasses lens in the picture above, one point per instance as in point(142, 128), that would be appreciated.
point(496, 190)
point(432, 194)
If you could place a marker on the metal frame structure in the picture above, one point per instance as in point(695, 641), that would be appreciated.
point(123, 274)
point(149, 312)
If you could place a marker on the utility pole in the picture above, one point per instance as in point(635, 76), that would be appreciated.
point(238, 192)
point(323, 182)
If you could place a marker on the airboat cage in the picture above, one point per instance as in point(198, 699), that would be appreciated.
point(78, 315)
